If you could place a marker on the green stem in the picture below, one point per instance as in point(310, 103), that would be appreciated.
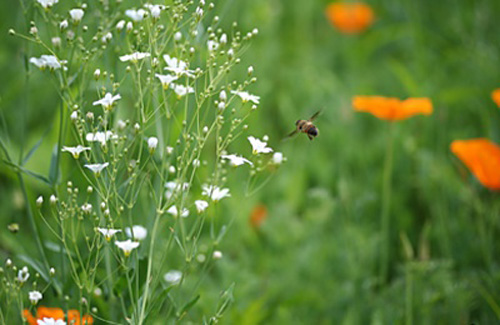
point(386, 203)
point(409, 294)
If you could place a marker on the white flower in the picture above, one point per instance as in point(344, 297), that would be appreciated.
point(23, 275)
point(75, 151)
point(56, 41)
point(39, 201)
point(101, 137)
point(217, 255)
point(134, 57)
point(46, 61)
point(35, 296)
point(137, 232)
point(166, 79)
point(215, 193)
point(201, 205)
point(76, 14)
point(127, 246)
point(152, 143)
point(97, 168)
point(169, 150)
point(223, 96)
point(50, 321)
point(154, 9)
point(178, 36)
point(173, 211)
point(173, 276)
point(129, 26)
point(86, 208)
point(136, 15)
point(245, 97)
point(259, 146)
point(236, 160)
point(277, 158)
point(199, 12)
point(175, 186)
point(108, 232)
point(47, 3)
point(212, 45)
point(53, 199)
point(107, 101)
point(63, 24)
point(223, 39)
point(182, 90)
point(107, 37)
point(74, 115)
point(177, 66)
point(120, 25)
point(250, 71)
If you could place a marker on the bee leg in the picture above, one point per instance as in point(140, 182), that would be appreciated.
point(310, 137)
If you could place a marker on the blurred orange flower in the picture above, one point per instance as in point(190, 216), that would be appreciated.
point(392, 109)
point(57, 313)
point(258, 215)
point(350, 18)
point(482, 157)
point(495, 95)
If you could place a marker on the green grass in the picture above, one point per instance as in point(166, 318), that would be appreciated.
point(316, 258)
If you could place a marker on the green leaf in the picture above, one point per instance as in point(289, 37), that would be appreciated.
point(188, 306)
point(17, 168)
point(54, 166)
point(34, 148)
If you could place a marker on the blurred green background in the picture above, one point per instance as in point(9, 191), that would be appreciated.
point(315, 258)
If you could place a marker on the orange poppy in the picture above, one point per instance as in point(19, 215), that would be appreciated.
point(258, 215)
point(392, 109)
point(57, 313)
point(350, 18)
point(482, 158)
point(495, 95)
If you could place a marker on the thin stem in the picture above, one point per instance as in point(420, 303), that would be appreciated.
point(386, 204)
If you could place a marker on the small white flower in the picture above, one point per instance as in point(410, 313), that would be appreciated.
point(178, 36)
point(212, 45)
point(108, 232)
point(199, 12)
point(35, 296)
point(86, 208)
point(63, 24)
point(129, 26)
point(174, 186)
point(137, 232)
point(250, 71)
point(196, 163)
point(53, 199)
point(201, 205)
point(154, 9)
point(221, 106)
point(152, 144)
point(121, 124)
point(169, 150)
point(215, 193)
point(173, 277)
point(120, 25)
point(127, 246)
point(134, 57)
point(171, 169)
point(97, 74)
point(45, 61)
point(236, 160)
point(230, 53)
point(75, 151)
point(76, 14)
point(52, 271)
point(223, 39)
point(166, 79)
point(182, 90)
point(97, 168)
point(255, 31)
point(136, 15)
point(56, 41)
point(107, 101)
point(277, 158)
point(177, 66)
point(50, 321)
point(46, 4)
point(23, 275)
point(39, 201)
point(217, 255)
point(107, 37)
point(259, 146)
point(74, 116)
point(245, 96)
point(173, 211)
point(101, 137)
point(222, 96)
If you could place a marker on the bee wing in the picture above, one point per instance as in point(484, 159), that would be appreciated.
point(291, 134)
point(314, 116)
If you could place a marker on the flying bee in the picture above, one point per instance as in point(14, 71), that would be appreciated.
point(307, 127)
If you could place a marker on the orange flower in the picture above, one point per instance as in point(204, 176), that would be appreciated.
point(57, 313)
point(392, 109)
point(258, 215)
point(482, 157)
point(495, 95)
point(350, 18)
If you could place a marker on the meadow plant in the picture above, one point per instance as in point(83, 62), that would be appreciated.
point(151, 126)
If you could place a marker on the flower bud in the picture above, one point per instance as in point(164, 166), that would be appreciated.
point(152, 144)
point(39, 201)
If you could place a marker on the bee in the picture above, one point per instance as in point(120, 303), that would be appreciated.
point(307, 127)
